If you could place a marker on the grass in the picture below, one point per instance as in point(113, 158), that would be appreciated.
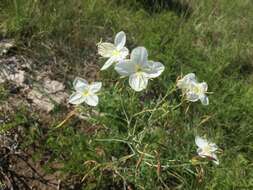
point(121, 142)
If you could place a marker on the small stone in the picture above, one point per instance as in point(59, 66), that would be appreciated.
point(18, 78)
point(53, 86)
point(59, 97)
point(5, 45)
point(40, 100)
point(10, 69)
point(3, 74)
point(46, 101)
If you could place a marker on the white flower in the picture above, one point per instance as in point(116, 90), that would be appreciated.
point(186, 80)
point(196, 91)
point(206, 149)
point(139, 68)
point(193, 90)
point(115, 52)
point(85, 92)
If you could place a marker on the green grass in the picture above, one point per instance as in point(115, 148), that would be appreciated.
point(214, 41)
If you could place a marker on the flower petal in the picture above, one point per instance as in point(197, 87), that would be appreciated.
point(204, 100)
point(91, 100)
point(139, 55)
point(80, 84)
point(95, 86)
point(124, 52)
point(155, 69)
point(105, 49)
point(120, 40)
point(125, 68)
point(204, 86)
point(181, 84)
point(201, 153)
point(185, 82)
point(138, 81)
point(200, 142)
point(190, 76)
point(191, 96)
point(215, 159)
point(76, 98)
point(213, 146)
point(108, 63)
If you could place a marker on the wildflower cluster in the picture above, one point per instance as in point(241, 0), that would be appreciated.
point(140, 69)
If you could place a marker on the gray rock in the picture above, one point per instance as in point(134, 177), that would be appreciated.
point(53, 86)
point(11, 69)
point(49, 94)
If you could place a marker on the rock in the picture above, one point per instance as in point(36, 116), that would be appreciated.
point(12, 69)
point(59, 97)
point(50, 93)
point(53, 86)
point(5, 45)
point(18, 77)
point(43, 93)
point(3, 74)
point(46, 102)
point(39, 100)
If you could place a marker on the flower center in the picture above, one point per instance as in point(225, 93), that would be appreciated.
point(86, 92)
point(197, 90)
point(116, 53)
point(207, 150)
point(138, 68)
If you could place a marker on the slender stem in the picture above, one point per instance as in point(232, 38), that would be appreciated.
point(117, 140)
point(71, 114)
point(169, 91)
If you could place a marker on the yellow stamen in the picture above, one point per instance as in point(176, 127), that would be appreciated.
point(207, 150)
point(115, 53)
point(138, 68)
point(197, 90)
point(86, 92)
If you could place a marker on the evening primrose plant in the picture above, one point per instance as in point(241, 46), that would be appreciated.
point(140, 70)
point(133, 140)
